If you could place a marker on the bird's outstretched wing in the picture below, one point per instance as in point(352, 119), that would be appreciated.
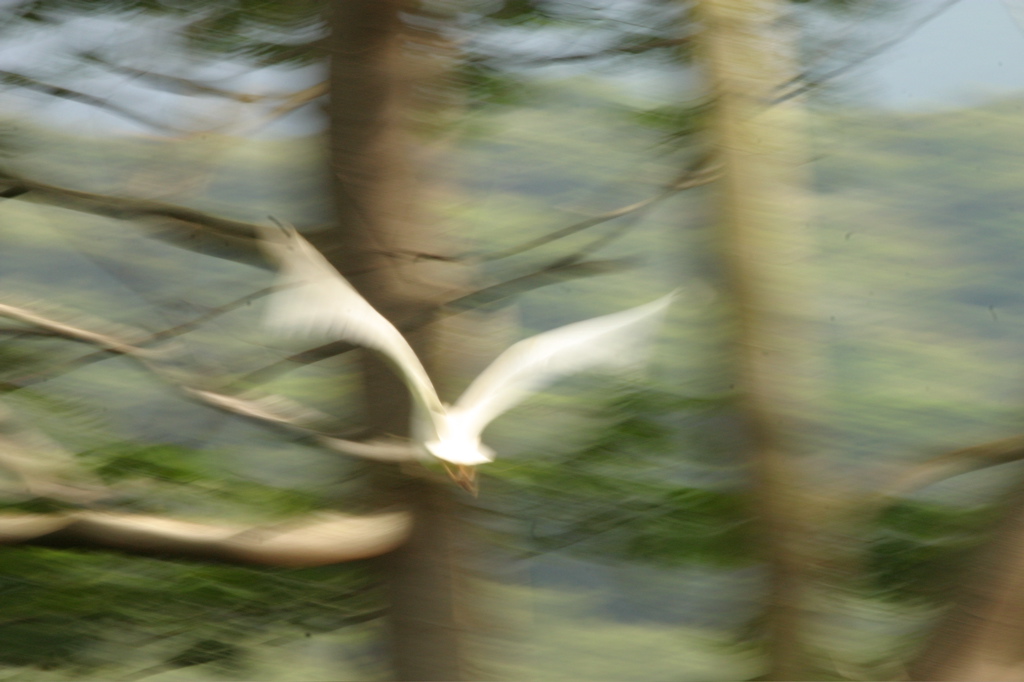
point(314, 300)
point(617, 340)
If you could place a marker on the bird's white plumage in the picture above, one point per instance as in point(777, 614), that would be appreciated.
point(315, 300)
point(533, 363)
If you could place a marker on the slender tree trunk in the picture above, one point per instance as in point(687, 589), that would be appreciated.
point(373, 82)
point(762, 216)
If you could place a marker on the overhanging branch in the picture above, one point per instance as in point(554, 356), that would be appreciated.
point(805, 81)
point(22, 81)
point(272, 410)
point(955, 463)
point(185, 227)
point(636, 47)
point(314, 541)
point(170, 83)
point(701, 175)
point(56, 369)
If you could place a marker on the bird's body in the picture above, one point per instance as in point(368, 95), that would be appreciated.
point(315, 300)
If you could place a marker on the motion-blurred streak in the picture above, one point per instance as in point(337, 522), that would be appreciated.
point(314, 541)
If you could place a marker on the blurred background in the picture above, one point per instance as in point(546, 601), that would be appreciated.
point(815, 476)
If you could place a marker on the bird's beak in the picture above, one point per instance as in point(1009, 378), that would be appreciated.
point(464, 476)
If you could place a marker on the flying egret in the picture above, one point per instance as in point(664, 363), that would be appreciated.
point(315, 300)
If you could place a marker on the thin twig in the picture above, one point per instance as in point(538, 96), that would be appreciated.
point(296, 100)
point(104, 341)
point(556, 272)
point(808, 81)
point(23, 81)
point(689, 179)
point(632, 48)
point(57, 369)
point(241, 235)
point(174, 83)
point(955, 463)
point(273, 410)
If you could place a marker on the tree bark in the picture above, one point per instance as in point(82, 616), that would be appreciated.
point(374, 81)
point(762, 218)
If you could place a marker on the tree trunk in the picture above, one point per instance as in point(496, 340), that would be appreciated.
point(373, 82)
point(762, 218)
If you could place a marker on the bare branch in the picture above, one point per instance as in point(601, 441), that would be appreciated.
point(288, 102)
point(56, 369)
point(955, 463)
point(305, 357)
point(380, 449)
point(807, 81)
point(317, 540)
point(702, 175)
point(268, 409)
point(294, 101)
point(615, 50)
point(273, 409)
point(327, 539)
point(280, 411)
point(22, 81)
point(108, 343)
point(173, 83)
point(185, 227)
point(559, 271)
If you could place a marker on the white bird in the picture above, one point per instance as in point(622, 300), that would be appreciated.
point(315, 300)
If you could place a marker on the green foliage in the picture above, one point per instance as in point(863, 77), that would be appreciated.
point(19, 358)
point(167, 463)
point(265, 32)
point(679, 123)
point(919, 549)
point(75, 610)
point(238, 30)
point(207, 651)
point(172, 478)
point(627, 494)
point(482, 84)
